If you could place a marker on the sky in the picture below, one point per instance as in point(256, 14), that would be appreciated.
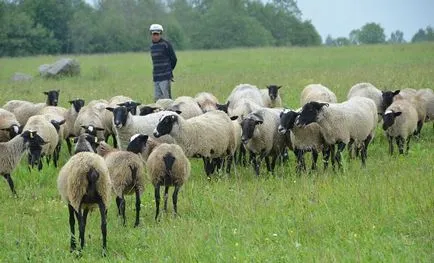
point(339, 17)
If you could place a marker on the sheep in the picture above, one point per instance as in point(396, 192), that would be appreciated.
point(271, 96)
point(12, 151)
point(70, 115)
point(187, 106)
point(367, 90)
point(23, 110)
point(126, 172)
point(209, 135)
point(418, 103)
point(206, 101)
point(354, 119)
point(9, 126)
point(46, 128)
point(400, 121)
point(84, 183)
point(244, 92)
point(260, 136)
point(167, 166)
point(164, 103)
point(148, 109)
point(86, 143)
point(90, 119)
point(317, 92)
point(428, 96)
point(308, 138)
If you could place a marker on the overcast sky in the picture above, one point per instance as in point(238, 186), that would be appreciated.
point(339, 17)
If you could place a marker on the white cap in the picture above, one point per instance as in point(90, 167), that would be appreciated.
point(156, 28)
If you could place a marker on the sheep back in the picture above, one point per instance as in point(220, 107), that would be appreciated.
point(317, 92)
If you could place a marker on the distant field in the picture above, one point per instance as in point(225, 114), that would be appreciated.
point(382, 213)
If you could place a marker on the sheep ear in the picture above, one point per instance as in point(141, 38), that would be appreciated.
point(109, 109)
point(61, 122)
point(75, 139)
point(396, 92)
point(138, 103)
point(46, 93)
point(71, 101)
point(397, 113)
point(99, 129)
point(178, 111)
point(234, 118)
point(119, 104)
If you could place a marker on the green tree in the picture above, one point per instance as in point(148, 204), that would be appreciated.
point(423, 35)
point(397, 37)
point(355, 37)
point(342, 41)
point(372, 33)
point(329, 41)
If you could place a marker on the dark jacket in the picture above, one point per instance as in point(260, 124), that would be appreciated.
point(163, 59)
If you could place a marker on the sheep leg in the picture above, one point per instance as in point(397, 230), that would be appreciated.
point(40, 164)
point(267, 163)
point(255, 163)
point(157, 200)
point(103, 212)
point(118, 203)
point(175, 199)
point(408, 144)
point(68, 143)
point(326, 156)
point(314, 159)
point(207, 165)
point(72, 226)
point(419, 128)
point(57, 154)
point(341, 147)
point(137, 207)
point(85, 213)
point(332, 155)
point(400, 143)
point(390, 139)
point(80, 226)
point(273, 163)
point(166, 196)
point(229, 161)
point(364, 150)
point(298, 153)
point(122, 209)
point(350, 148)
point(10, 182)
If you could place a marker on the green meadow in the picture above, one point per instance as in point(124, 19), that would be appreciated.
point(382, 213)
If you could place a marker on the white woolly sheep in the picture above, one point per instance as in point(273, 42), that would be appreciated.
point(318, 93)
point(23, 110)
point(187, 106)
point(9, 125)
point(84, 183)
point(400, 122)
point(209, 135)
point(164, 103)
point(12, 151)
point(308, 138)
point(353, 120)
point(167, 166)
point(126, 125)
point(367, 90)
point(261, 137)
point(428, 96)
point(244, 92)
point(206, 101)
point(271, 96)
point(126, 172)
point(47, 130)
point(90, 119)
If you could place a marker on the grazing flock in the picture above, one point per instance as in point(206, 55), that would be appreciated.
point(157, 140)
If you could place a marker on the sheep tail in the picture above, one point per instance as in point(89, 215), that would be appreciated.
point(169, 160)
point(92, 178)
point(133, 173)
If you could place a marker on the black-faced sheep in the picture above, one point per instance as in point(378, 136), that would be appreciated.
point(167, 166)
point(9, 125)
point(271, 96)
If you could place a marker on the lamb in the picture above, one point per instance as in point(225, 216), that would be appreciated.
point(167, 166)
point(308, 138)
point(84, 183)
point(206, 101)
point(354, 119)
point(126, 125)
point(187, 106)
point(126, 172)
point(367, 90)
point(318, 93)
point(12, 151)
point(90, 119)
point(9, 126)
point(70, 115)
point(260, 136)
point(23, 110)
point(209, 135)
point(271, 96)
point(47, 130)
point(400, 121)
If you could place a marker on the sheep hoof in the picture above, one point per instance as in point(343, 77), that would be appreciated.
point(104, 253)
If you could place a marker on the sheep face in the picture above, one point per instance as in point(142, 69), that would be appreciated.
point(52, 97)
point(137, 143)
point(387, 98)
point(85, 143)
point(223, 107)
point(120, 116)
point(169, 160)
point(165, 125)
point(35, 143)
point(131, 106)
point(146, 110)
point(273, 91)
point(77, 104)
point(389, 119)
point(248, 128)
point(287, 120)
point(13, 130)
point(92, 130)
point(309, 113)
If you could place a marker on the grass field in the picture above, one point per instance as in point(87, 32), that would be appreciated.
point(383, 213)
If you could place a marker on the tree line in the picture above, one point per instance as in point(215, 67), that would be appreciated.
point(30, 27)
point(373, 33)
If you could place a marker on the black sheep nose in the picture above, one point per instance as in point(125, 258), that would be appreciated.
point(244, 140)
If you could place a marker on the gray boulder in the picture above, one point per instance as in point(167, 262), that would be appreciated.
point(18, 76)
point(63, 67)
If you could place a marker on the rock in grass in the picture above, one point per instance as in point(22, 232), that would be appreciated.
point(18, 76)
point(63, 67)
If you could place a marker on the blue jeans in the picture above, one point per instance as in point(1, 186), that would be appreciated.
point(162, 90)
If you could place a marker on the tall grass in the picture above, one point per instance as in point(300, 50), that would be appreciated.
point(381, 213)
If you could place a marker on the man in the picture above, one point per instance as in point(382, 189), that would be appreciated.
point(164, 62)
